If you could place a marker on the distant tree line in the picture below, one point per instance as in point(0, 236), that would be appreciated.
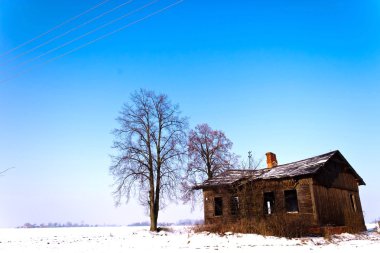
point(68, 224)
point(186, 222)
point(61, 225)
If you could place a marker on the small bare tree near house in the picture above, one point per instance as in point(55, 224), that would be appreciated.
point(151, 145)
point(209, 154)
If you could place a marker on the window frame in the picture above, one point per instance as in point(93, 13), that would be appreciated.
point(218, 211)
point(234, 205)
point(291, 200)
point(269, 200)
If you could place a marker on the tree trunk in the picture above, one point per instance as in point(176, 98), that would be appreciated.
point(153, 220)
point(154, 214)
point(156, 204)
point(154, 197)
point(209, 171)
point(152, 200)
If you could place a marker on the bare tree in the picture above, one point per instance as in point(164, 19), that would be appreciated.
point(151, 144)
point(209, 154)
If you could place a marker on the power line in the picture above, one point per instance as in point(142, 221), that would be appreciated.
point(2, 172)
point(55, 28)
point(84, 35)
point(93, 41)
point(117, 30)
point(67, 32)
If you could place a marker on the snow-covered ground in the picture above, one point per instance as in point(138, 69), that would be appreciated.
point(139, 239)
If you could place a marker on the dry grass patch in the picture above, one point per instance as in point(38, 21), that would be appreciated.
point(275, 226)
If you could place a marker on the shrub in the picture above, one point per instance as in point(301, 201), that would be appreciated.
point(272, 226)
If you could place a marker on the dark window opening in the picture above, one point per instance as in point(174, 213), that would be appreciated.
point(268, 202)
point(234, 205)
point(291, 201)
point(353, 202)
point(218, 204)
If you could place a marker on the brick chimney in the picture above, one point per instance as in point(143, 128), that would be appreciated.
point(271, 160)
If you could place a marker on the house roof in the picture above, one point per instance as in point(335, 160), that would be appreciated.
point(303, 167)
point(229, 177)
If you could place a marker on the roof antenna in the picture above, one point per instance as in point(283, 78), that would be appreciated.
point(249, 159)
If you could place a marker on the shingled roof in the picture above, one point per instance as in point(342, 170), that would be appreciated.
point(303, 167)
point(229, 177)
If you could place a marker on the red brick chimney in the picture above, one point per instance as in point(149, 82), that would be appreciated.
point(271, 160)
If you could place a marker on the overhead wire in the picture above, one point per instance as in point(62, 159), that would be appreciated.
point(67, 32)
point(17, 66)
point(94, 40)
point(55, 28)
point(117, 30)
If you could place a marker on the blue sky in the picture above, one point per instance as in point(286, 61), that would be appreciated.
point(297, 78)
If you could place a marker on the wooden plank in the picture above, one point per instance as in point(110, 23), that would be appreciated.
point(314, 204)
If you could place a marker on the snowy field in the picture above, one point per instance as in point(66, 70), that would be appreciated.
point(139, 239)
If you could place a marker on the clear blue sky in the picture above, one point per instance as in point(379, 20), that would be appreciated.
point(298, 78)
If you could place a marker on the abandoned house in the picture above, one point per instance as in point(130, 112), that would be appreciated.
point(321, 192)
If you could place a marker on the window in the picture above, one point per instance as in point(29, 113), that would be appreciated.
point(291, 202)
point(218, 206)
point(268, 202)
point(234, 205)
point(353, 202)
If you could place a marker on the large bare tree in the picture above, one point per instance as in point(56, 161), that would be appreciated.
point(151, 145)
point(209, 154)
